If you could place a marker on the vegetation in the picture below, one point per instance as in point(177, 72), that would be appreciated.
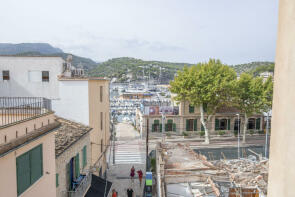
point(184, 133)
point(207, 86)
point(251, 67)
point(202, 133)
point(126, 68)
point(221, 132)
point(251, 132)
point(212, 85)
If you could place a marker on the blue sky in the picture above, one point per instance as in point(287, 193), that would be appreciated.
point(235, 31)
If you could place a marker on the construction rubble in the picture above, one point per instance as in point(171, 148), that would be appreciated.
point(183, 172)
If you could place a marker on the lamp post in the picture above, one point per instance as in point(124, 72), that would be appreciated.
point(266, 134)
point(238, 136)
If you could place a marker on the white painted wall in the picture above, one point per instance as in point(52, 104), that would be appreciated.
point(73, 103)
point(20, 68)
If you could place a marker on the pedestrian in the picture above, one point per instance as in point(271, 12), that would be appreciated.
point(130, 192)
point(132, 173)
point(139, 172)
point(114, 194)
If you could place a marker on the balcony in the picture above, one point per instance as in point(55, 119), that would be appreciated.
point(80, 186)
point(15, 109)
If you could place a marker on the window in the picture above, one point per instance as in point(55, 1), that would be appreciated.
point(156, 127)
point(56, 180)
point(191, 109)
point(170, 126)
point(5, 75)
point(101, 145)
point(101, 121)
point(45, 76)
point(223, 124)
point(16, 134)
point(190, 124)
point(251, 123)
point(237, 125)
point(26, 130)
point(84, 150)
point(257, 123)
point(101, 93)
point(5, 139)
point(29, 168)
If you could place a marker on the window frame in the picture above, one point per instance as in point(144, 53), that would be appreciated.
point(101, 94)
point(44, 77)
point(4, 76)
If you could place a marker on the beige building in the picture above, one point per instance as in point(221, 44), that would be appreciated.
point(187, 118)
point(73, 158)
point(86, 100)
point(27, 157)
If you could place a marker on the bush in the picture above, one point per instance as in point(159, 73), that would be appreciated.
point(184, 133)
point(168, 134)
point(236, 132)
point(202, 133)
point(261, 131)
point(251, 132)
point(221, 132)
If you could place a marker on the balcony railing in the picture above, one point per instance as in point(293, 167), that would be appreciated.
point(13, 109)
point(80, 187)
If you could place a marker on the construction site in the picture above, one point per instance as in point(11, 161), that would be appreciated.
point(182, 171)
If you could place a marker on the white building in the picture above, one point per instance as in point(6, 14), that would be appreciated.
point(30, 76)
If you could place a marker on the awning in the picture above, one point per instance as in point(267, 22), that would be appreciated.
point(98, 187)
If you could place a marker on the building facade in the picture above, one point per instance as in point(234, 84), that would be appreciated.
point(27, 158)
point(188, 119)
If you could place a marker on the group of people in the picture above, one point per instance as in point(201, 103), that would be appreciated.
point(130, 192)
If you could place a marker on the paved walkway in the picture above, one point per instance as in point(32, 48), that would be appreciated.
point(129, 151)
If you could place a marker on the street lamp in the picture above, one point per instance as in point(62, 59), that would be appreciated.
point(238, 135)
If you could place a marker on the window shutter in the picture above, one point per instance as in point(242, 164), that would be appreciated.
point(195, 125)
point(84, 156)
point(77, 166)
point(170, 121)
point(23, 172)
point(191, 109)
point(153, 127)
point(56, 180)
point(216, 124)
point(186, 125)
point(36, 163)
point(166, 127)
point(174, 127)
point(228, 124)
point(160, 127)
point(258, 123)
point(156, 121)
point(68, 177)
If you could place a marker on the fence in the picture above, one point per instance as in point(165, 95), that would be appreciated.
point(13, 109)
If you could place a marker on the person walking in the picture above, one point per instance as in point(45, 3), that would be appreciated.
point(132, 173)
point(114, 194)
point(140, 174)
point(130, 192)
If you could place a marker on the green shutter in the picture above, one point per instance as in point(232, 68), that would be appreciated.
point(166, 127)
point(174, 127)
point(84, 156)
point(191, 109)
point(56, 180)
point(160, 127)
point(68, 177)
point(186, 125)
point(156, 121)
point(257, 123)
point(153, 127)
point(216, 124)
point(77, 166)
point(23, 172)
point(36, 163)
point(170, 121)
point(228, 124)
point(195, 125)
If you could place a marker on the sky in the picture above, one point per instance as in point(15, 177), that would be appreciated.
point(191, 31)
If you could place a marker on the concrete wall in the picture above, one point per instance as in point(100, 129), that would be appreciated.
point(73, 101)
point(96, 107)
point(282, 149)
point(19, 83)
point(21, 128)
point(45, 186)
point(65, 157)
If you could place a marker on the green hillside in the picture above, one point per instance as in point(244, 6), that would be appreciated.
point(126, 68)
point(254, 67)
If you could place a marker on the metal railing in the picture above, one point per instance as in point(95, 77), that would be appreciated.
point(82, 187)
point(13, 109)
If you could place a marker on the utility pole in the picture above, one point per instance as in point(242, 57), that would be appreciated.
point(147, 142)
point(238, 136)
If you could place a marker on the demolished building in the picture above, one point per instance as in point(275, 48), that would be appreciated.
point(183, 172)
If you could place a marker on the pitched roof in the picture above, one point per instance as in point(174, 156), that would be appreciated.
point(68, 133)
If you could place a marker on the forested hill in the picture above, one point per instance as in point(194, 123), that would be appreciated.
point(126, 68)
point(254, 68)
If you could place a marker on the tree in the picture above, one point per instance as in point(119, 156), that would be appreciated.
point(207, 86)
point(268, 94)
point(249, 93)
